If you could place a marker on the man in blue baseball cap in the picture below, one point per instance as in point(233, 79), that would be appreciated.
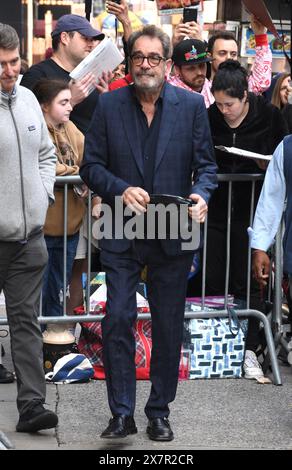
point(73, 38)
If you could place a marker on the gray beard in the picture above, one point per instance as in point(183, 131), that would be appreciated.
point(152, 85)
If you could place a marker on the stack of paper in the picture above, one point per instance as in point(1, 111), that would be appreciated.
point(105, 57)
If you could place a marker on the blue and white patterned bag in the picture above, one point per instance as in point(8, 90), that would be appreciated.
point(217, 347)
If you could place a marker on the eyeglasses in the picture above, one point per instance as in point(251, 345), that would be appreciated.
point(153, 60)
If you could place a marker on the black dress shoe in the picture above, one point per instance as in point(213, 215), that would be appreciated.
point(6, 377)
point(37, 418)
point(119, 426)
point(159, 429)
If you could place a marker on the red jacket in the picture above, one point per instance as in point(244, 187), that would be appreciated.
point(121, 82)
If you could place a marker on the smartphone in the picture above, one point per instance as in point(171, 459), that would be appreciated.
point(116, 1)
point(190, 14)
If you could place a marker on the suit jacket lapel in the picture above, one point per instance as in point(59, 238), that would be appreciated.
point(168, 120)
point(128, 116)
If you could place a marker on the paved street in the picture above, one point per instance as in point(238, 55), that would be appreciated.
point(207, 414)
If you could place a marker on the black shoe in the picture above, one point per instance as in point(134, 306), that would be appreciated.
point(119, 426)
point(36, 419)
point(6, 377)
point(159, 429)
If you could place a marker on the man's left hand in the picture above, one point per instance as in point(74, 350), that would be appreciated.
point(103, 84)
point(199, 210)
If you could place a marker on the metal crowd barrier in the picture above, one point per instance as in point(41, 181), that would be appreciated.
point(245, 313)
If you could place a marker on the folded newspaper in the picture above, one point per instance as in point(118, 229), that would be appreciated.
point(243, 153)
point(103, 58)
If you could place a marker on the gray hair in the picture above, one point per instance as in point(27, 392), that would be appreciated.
point(8, 37)
point(151, 31)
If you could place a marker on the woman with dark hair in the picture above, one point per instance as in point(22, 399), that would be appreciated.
point(240, 119)
point(54, 97)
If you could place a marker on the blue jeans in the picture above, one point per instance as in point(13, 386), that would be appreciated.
point(53, 294)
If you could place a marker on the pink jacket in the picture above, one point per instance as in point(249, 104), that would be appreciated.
point(260, 78)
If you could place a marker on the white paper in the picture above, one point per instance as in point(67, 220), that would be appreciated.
point(243, 153)
point(103, 58)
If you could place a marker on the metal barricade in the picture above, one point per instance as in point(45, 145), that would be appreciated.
point(246, 313)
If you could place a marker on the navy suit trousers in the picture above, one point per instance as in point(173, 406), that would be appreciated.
point(166, 288)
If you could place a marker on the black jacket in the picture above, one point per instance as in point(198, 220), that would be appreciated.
point(287, 114)
point(261, 131)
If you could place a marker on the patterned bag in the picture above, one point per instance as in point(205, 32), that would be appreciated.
point(217, 346)
point(90, 344)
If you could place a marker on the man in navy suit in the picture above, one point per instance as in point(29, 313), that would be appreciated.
point(147, 138)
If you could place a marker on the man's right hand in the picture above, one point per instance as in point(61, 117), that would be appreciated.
point(120, 10)
point(191, 30)
point(136, 199)
point(260, 267)
point(80, 88)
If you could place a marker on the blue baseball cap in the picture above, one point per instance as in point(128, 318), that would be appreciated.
point(76, 23)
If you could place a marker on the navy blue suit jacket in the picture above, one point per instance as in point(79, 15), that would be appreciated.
point(113, 158)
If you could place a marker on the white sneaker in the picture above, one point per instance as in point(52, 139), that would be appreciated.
point(251, 366)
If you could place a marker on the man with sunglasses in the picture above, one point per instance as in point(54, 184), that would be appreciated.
point(147, 138)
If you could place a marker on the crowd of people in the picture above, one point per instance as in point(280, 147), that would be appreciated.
point(148, 128)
